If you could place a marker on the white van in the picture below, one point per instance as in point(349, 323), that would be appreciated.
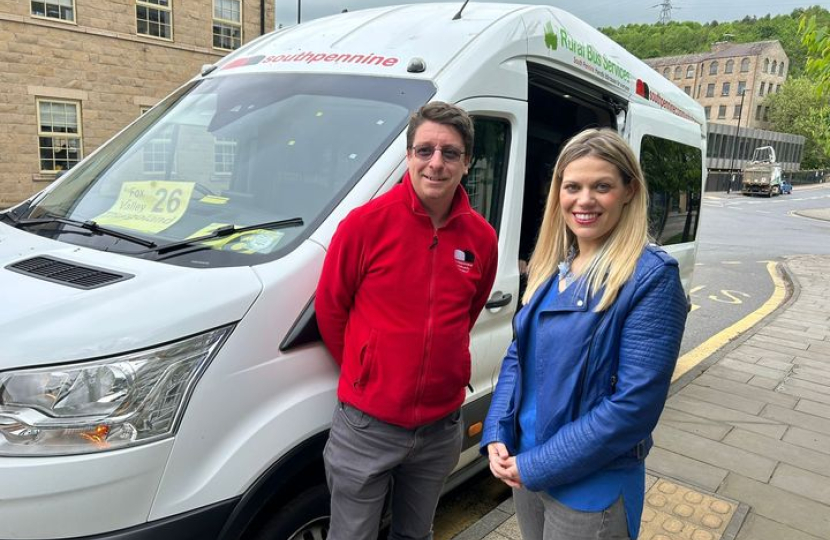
point(161, 374)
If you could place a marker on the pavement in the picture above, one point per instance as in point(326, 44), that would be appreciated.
point(742, 450)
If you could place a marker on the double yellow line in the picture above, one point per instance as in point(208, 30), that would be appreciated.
point(702, 351)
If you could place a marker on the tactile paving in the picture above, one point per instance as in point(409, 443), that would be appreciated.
point(677, 512)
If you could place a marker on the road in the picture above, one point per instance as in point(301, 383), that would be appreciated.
point(738, 238)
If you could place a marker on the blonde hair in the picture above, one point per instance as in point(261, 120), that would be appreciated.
point(615, 262)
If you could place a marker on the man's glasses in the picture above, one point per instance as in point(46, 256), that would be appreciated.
point(449, 154)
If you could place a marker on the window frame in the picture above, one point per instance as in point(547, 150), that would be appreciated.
point(710, 90)
point(500, 183)
point(53, 134)
point(721, 111)
point(684, 188)
point(729, 67)
point(57, 19)
point(713, 68)
point(227, 23)
point(745, 65)
point(690, 71)
point(741, 87)
point(151, 4)
point(725, 88)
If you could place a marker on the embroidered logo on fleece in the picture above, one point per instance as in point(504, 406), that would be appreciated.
point(464, 259)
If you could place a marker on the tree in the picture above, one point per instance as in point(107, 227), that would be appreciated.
point(800, 110)
point(816, 39)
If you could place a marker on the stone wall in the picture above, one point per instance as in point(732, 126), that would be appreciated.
point(98, 61)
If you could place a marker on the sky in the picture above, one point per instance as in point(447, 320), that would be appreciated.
point(596, 12)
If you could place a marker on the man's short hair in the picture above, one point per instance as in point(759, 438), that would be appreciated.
point(445, 114)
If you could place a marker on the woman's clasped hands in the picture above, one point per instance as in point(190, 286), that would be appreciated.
point(503, 465)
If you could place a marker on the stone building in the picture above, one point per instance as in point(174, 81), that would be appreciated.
point(717, 79)
point(74, 72)
point(731, 81)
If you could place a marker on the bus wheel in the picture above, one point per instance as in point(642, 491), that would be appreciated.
point(306, 517)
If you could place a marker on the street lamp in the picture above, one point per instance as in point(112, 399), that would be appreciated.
point(735, 143)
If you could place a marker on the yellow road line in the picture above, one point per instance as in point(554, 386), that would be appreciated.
point(702, 351)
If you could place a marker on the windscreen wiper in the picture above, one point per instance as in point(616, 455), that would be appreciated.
point(88, 225)
point(225, 230)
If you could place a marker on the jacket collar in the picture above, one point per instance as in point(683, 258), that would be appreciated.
point(460, 201)
point(574, 298)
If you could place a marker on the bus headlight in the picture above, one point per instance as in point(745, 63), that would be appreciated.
point(102, 404)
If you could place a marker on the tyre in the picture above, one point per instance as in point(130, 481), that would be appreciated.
point(305, 517)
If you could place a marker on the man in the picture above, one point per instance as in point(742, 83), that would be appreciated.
point(405, 278)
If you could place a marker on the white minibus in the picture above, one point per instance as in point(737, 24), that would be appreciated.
point(161, 373)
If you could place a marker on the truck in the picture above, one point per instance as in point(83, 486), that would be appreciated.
point(762, 175)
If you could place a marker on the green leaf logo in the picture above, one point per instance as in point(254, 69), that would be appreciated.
point(551, 41)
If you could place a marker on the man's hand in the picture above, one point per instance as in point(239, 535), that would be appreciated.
point(503, 465)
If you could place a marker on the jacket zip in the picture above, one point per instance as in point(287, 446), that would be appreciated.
point(428, 340)
point(583, 372)
point(517, 395)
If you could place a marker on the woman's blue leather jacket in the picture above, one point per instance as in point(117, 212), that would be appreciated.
point(602, 378)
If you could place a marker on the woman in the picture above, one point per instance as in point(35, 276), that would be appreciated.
point(584, 382)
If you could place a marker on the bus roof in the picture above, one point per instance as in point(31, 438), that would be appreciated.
point(426, 41)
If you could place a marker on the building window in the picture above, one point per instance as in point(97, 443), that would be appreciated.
point(761, 89)
point(758, 113)
point(227, 24)
point(698, 91)
point(710, 90)
point(766, 65)
point(781, 69)
point(666, 73)
point(707, 111)
point(224, 156)
point(63, 10)
point(722, 111)
point(766, 114)
point(737, 112)
point(777, 88)
point(774, 69)
point(157, 154)
point(745, 65)
point(154, 18)
point(688, 90)
point(725, 89)
point(59, 134)
point(730, 65)
point(677, 72)
point(741, 87)
point(713, 68)
point(690, 72)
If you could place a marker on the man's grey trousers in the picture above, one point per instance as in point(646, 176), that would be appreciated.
point(366, 457)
